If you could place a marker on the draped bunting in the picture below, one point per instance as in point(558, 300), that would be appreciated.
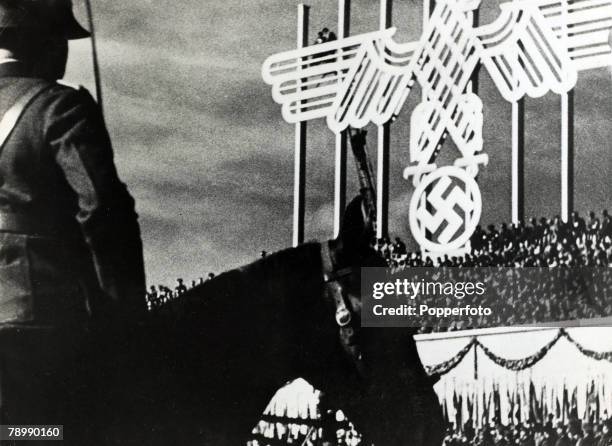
point(524, 363)
point(599, 356)
point(447, 366)
point(515, 364)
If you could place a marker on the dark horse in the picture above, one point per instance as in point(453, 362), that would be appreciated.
point(211, 360)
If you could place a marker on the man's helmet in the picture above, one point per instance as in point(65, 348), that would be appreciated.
point(50, 16)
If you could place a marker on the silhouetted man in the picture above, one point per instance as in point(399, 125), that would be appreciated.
point(70, 248)
point(180, 288)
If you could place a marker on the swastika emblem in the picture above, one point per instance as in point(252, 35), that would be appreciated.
point(533, 47)
point(434, 210)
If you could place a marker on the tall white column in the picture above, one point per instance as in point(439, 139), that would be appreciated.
point(518, 161)
point(344, 19)
point(567, 155)
point(384, 139)
point(299, 180)
point(567, 132)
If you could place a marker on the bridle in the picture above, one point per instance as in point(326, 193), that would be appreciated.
point(346, 321)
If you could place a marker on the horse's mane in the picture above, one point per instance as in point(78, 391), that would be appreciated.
point(304, 260)
point(281, 275)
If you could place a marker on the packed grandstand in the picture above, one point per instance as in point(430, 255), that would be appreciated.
point(544, 243)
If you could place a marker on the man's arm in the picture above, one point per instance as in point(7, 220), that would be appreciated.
point(77, 134)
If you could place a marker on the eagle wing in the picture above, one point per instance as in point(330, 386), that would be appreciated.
point(350, 81)
point(523, 55)
point(376, 86)
point(584, 28)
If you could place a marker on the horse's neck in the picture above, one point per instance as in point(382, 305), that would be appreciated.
point(251, 325)
point(280, 285)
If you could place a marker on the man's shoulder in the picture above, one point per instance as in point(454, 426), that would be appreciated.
point(68, 85)
point(57, 108)
point(61, 90)
point(57, 100)
point(11, 84)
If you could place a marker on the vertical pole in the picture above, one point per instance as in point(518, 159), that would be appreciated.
point(567, 132)
point(384, 139)
point(518, 161)
point(386, 14)
point(475, 361)
point(299, 180)
point(474, 18)
point(94, 53)
point(428, 7)
point(344, 19)
point(382, 179)
point(427, 10)
point(474, 85)
point(567, 155)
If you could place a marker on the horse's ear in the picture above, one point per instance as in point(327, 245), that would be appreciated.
point(354, 225)
point(356, 233)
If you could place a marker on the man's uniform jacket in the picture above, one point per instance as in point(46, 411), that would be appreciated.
point(70, 242)
point(70, 258)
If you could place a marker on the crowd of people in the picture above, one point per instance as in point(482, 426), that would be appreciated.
point(576, 291)
point(539, 243)
point(556, 294)
point(272, 431)
point(559, 432)
point(570, 433)
point(324, 36)
point(161, 294)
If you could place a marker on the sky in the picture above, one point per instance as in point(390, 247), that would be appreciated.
point(209, 160)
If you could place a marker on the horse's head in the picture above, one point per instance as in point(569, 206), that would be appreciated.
point(384, 388)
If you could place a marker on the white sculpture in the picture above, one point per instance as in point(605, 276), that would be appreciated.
point(535, 46)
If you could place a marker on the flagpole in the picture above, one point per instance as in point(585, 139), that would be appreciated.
point(94, 49)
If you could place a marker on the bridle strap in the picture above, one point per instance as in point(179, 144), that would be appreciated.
point(344, 315)
point(330, 277)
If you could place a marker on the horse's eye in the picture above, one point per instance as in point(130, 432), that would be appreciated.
point(343, 317)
